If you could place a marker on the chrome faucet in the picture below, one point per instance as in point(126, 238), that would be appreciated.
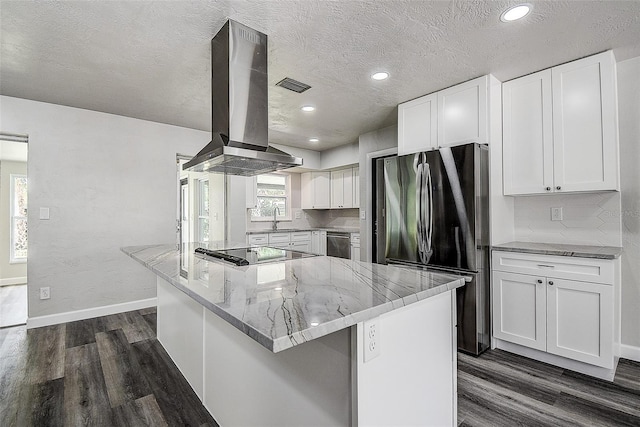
point(275, 221)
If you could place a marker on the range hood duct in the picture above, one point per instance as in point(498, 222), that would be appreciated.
point(239, 102)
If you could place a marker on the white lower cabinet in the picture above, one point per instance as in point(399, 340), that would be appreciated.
point(319, 242)
point(574, 319)
point(355, 246)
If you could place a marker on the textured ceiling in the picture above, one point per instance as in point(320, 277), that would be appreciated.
point(150, 59)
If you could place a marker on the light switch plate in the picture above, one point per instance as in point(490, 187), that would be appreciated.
point(556, 214)
point(44, 213)
point(363, 214)
point(298, 214)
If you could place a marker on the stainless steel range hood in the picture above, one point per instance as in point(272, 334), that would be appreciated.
point(239, 88)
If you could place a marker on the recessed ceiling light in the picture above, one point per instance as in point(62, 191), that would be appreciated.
point(515, 12)
point(380, 75)
point(314, 323)
point(308, 108)
point(314, 140)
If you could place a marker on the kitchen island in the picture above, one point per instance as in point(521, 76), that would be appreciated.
point(308, 341)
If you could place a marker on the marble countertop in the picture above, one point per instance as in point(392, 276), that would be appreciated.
point(288, 230)
point(583, 251)
point(284, 304)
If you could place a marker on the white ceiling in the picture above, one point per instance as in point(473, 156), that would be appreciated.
point(151, 59)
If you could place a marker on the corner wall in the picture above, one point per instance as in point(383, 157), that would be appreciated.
point(109, 181)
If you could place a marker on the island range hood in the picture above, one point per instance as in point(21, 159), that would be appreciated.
point(239, 87)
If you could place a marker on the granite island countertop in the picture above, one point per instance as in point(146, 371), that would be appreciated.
point(583, 251)
point(286, 303)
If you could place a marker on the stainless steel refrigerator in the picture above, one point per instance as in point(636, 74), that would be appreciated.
point(435, 215)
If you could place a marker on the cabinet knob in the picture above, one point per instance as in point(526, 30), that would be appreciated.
point(548, 188)
point(558, 187)
point(539, 280)
point(550, 283)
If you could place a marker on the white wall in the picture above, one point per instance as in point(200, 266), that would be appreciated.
point(343, 155)
point(109, 181)
point(15, 273)
point(629, 120)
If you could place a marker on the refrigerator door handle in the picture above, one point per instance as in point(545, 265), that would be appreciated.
point(419, 169)
point(430, 219)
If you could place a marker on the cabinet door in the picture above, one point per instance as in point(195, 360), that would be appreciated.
point(252, 192)
point(356, 187)
point(462, 113)
point(342, 188)
point(301, 246)
point(527, 134)
point(519, 309)
point(580, 322)
point(321, 190)
point(585, 125)
point(418, 125)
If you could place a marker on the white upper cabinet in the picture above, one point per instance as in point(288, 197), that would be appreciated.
point(462, 113)
point(316, 190)
point(356, 187)
point(528, 135)
point(585, 137)
point(342, 188)
point(560, 129)
point(418, 125)
point(454, 116)
point(252, 192)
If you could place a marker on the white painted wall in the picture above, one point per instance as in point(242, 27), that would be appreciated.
point(15, 273)
point(343, 155)
point(109, 181)
point(629, 124)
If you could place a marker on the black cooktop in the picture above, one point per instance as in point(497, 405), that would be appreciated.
point(252, 255)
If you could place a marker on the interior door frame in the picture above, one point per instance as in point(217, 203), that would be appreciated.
point(369, 212)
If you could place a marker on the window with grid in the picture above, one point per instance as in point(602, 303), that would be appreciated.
point(203, 210)
point(18, 206)
point(273, 192)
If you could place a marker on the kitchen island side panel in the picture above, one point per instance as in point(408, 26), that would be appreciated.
point(248, 385)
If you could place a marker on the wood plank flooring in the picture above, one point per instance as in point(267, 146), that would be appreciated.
point(107, 371)
point(13, 305)
point(111, 371)
point(502, 389)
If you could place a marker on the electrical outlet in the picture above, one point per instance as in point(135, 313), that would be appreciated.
point(363, 214)
point(298, 214)
point(556, 214)
point(371, 339)
point(45, 293)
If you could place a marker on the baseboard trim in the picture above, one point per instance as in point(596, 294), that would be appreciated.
point(630, 352)
point(13, 281)
point(88, 313)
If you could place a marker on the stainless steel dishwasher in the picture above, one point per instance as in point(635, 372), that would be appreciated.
point(339, 244)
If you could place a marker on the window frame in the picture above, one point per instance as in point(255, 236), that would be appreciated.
point(202, 213)
point(287, 196)
point(12, 218)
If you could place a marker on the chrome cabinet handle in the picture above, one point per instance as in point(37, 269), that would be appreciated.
point(546, 266)
point(550, 283)
point(539, 280)
point(548, 188)
point(558, 187)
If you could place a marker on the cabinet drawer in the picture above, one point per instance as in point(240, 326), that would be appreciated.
point(299, 236)
point(355, 238)
point(258, 239)
point(278, 237)
point(572, 268)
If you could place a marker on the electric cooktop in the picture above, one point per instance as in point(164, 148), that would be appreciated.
point(252, 255)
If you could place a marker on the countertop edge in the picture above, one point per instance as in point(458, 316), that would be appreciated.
point(289, 341)
point(568, 251)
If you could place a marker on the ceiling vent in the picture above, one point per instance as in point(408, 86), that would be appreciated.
point(293, 85)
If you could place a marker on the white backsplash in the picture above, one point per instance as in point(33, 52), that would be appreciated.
point(330, 218)
point(588, 219)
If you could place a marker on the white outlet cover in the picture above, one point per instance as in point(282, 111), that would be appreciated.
point(556, 214)
point(371, 339)
point(44, 213)
point(363, 214)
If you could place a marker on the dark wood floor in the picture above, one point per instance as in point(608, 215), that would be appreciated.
point(107, 371)
point(503, 389)
point(111, 371)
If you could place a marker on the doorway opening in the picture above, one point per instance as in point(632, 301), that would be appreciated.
point(13, 217)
